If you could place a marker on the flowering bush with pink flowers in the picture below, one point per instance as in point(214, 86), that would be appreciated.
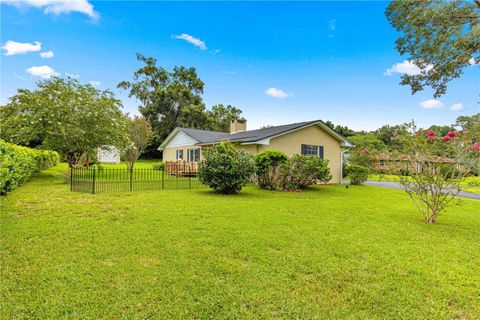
point(437, 166)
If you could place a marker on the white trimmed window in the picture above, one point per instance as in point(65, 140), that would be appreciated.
point(179, 155)
point(312, 150)
point(194, 155)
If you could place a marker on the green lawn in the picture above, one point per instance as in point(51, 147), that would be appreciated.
point(328, 253)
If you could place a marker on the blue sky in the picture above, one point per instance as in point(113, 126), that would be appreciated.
point(279, 62)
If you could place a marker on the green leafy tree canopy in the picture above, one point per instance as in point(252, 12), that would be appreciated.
point(440, 37)
point(170, 99)
point(66, 116)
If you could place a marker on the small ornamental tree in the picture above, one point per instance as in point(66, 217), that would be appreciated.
point(436, 165)
point(225, 168)
point(140, 132)
point(362, 157)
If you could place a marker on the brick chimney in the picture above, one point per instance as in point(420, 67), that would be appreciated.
point(238, 126)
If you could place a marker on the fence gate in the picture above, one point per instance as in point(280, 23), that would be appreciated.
point(95, 180)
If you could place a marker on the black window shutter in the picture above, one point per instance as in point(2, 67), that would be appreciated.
point(320, 152)
point(304, 149)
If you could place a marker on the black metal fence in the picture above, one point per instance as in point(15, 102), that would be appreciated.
point(95, 180)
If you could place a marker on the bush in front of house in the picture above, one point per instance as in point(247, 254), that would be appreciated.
point(357, 174)
point(225, 168)
point(267, 167)
point(158, 166)
point(275, 171)
point(301, 171)
point(19, 164)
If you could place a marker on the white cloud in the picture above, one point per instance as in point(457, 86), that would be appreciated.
point(12, 47)
point(276, 93)
point(472, 61)
point(332, 24)
point(406, 67)
point(57, 7)
point(47, 54)
point(72, 75)
point(44, 72)
point(456, 107)
point(431, 104)
point(229, 72)
point(95, 83)
point(195, 41)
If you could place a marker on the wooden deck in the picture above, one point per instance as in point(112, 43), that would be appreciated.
point(181, 168)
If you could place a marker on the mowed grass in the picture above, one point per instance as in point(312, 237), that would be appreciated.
point(327, 253)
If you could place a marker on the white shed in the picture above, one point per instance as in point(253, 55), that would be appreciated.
point(108, 154)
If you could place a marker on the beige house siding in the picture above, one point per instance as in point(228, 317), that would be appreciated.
point(291, 144)
point(250, 148)
point(170, 153)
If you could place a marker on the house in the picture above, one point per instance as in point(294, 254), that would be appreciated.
point(313, 138)
point(108, 154)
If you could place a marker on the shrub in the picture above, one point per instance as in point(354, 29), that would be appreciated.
point(265, 164)
point(158, 166)
point(18, 164)
point(302, 171)
point(225, 168)
point(358, 174)
point(298, 172)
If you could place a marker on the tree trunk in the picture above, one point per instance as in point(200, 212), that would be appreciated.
point(72, 160)
point(433, 218)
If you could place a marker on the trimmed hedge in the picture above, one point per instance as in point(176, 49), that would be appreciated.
point(18, 164)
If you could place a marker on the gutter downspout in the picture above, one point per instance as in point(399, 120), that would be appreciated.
point(341, 165)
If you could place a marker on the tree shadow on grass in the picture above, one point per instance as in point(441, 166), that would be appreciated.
point(244, 193)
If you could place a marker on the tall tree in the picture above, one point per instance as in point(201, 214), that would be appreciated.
point(66, 116)
point(193, 116)
point(468, 123)
point(220, 117)
point(388, 135)
point(343, 130)
point(164, 94)
point(440, 37)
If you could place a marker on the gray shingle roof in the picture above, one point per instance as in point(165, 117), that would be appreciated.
point(205, 136)
point(259, 134)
